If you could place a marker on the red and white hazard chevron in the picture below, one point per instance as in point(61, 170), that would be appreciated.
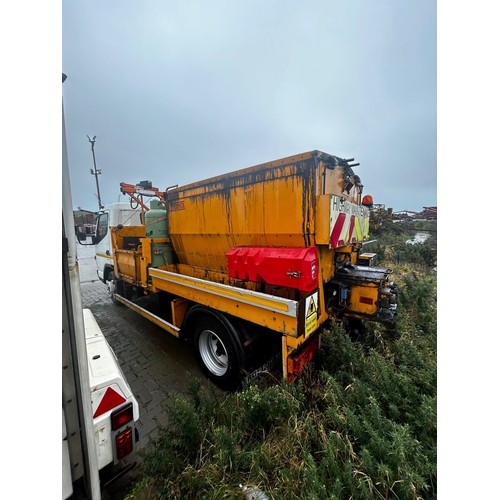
point(349, 222)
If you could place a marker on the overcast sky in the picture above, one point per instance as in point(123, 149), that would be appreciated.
point(178, 91)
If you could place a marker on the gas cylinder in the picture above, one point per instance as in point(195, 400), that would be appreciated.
point(157, 228)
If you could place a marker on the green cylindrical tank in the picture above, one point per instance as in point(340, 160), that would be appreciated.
point(156, 228)
point(156, 220)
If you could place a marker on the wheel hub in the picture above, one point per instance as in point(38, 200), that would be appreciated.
point(213, 353)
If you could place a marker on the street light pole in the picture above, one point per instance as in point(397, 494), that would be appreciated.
point(95, 172)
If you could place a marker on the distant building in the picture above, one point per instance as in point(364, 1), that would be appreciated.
point(430, 213)
point(405, 215)
point(85, 218)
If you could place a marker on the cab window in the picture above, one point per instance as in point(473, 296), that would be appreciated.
point(102, 227)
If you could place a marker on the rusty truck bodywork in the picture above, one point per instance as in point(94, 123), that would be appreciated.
point(254, 261)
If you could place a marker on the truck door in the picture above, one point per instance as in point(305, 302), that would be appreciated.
point(102, 241)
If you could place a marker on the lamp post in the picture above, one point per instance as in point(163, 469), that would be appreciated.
point(95, 172)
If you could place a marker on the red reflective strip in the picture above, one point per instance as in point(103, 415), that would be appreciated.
point(366, 300)
point(110, 400)
point(337, 229)
point(351, 228)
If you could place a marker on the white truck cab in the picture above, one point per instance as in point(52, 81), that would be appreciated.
point(112, 215)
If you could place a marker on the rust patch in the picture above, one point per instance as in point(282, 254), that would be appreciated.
point(177, 205)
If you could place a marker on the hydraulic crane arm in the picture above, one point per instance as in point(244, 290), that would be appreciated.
point(138, 191)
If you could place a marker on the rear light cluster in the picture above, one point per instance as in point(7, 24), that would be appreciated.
point(124, 443)
point(122, 416)
point(124, 440)
point(298, 361)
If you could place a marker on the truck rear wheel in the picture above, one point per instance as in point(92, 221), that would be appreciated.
point(219, 350)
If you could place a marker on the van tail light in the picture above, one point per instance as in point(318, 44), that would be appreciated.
point(124, 443)
point(122, 416)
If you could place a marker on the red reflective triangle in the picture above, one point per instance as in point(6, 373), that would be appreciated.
point(110, 400)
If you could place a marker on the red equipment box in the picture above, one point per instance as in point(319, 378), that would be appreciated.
point(283, 266)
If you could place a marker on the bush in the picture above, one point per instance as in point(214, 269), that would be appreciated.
point(392, 248)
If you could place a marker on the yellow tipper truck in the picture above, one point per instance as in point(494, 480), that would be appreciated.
point(248, 265)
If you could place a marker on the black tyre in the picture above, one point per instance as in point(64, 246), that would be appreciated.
point(219, 350)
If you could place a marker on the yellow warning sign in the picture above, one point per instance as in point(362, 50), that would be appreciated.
point(312, 308)
point(311, 314)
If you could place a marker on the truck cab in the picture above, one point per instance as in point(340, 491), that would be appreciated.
point(114, 214)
